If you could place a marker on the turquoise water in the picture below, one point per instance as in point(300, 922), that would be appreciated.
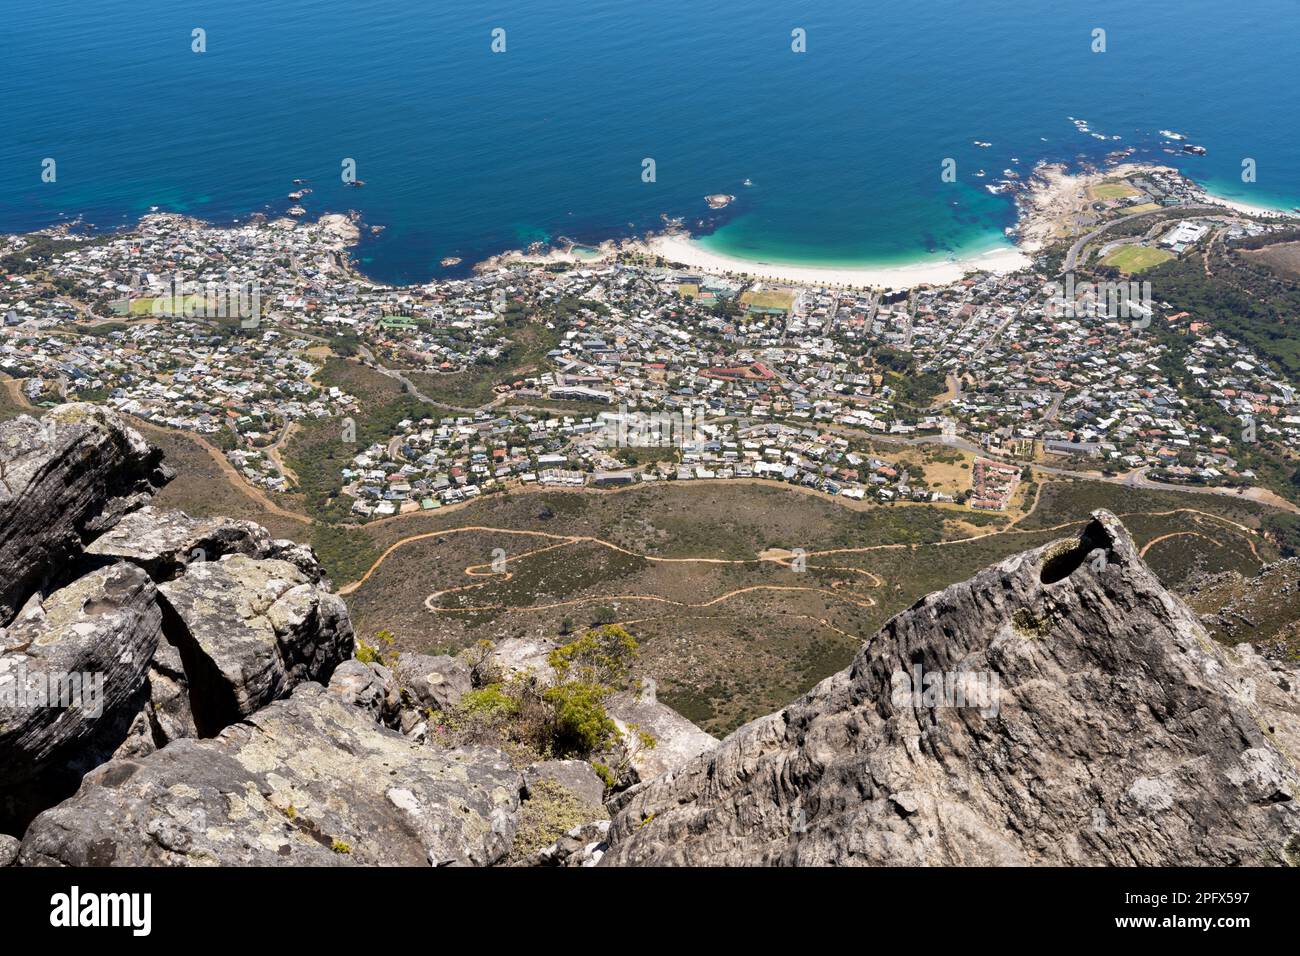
point(465, 152)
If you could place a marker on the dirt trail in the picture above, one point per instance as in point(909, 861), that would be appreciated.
point(779, 557)
point(229, 470)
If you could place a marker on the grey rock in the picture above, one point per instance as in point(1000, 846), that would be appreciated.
point(1116, 733)
point(433, 682)
point(165, 542)
point(8, 849)
point(584, 845)
point(518, 654)
point(370, 687)
point(676, 739)
point(248, 631)
point(1270, 688)
point(301, 556)
point(86, 649)
point(576, 776)
point(64, 480)
point(170, 715)
point(306, 781)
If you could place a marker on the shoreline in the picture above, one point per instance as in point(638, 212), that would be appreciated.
point(1048, 194)
point(1049, 197)
point(1267, 212)
point(681, 248)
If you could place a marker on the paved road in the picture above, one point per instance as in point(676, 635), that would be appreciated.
point(1072, 257)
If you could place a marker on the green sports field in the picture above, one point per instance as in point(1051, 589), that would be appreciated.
point(1136, 258)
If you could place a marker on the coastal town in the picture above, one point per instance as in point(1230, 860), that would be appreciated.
point(628, 367)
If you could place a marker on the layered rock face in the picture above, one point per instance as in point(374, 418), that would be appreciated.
point(63, 480)
point(182, 690)
point(1086, 719)
point(123, 628)
point(306, 781)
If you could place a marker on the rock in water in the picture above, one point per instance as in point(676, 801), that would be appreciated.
point(1116, 733)
point(307, 781)
point(63, 480)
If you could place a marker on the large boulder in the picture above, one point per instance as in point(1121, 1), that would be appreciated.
point(675, 740)
point(306, 781)
point(63, 480)
point(71, 667)
point(164, 543)
point(1083, 716)
point(9, 849)
point(248, 631)
point(518, 655)
point(437, 683)
point(369, 686)
point(576, 776)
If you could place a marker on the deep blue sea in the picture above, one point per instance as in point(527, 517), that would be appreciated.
point(467, 152)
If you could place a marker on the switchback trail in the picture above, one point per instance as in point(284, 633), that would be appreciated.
point(499, 571)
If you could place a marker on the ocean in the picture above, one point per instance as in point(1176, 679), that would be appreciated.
point(468, 152)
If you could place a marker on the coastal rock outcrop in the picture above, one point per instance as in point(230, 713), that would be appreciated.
point(1080, 715)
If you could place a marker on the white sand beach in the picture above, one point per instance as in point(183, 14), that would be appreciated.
point(689, 252)
point(1048, 208)
point(1248, 209)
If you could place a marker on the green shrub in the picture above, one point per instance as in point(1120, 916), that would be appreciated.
point(581, 723)
point(603, 656)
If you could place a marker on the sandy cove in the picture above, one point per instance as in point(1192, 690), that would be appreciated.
point(689, 252)
point(1047, 208)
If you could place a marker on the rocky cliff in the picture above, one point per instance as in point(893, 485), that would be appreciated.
point(189, 696)
point(183, 691)
point(1078, 714)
